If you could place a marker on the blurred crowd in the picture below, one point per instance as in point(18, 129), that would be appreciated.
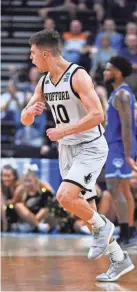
point(29, 204)
point(114, 32)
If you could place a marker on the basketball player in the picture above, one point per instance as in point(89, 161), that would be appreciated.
point(121, 138)
point(78, 114)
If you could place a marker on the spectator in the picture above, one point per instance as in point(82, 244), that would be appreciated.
point(33, 80)
point(136, 114)
point(131, 28)
point(32, 208)
point(12, 102)
point(134, 14)
point(100, 13)
point(122, 10)
point(19, 77)
point(4, 221)
point(59, 5)
point(49, 23)
point(10, 186)
point(71, 6)
point(103, 55)
point(130, 51)
point(74, 41)
point(31, 135)
point(116, 39)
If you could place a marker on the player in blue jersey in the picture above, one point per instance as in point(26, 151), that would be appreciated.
point(121, 138)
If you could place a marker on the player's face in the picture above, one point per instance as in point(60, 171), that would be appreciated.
point(109, 73)
point(7, 177)
point(38, 59)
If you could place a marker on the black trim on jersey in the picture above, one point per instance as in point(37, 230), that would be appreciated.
point(99, 130)
point(75, 93)
point(61, 76)
point(77, 184)
point(89, 199)
point(43, 81)
point(93, 139)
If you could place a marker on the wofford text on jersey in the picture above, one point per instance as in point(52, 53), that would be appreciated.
point(64, 95)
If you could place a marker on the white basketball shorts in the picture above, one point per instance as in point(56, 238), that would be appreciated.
point(81, 164)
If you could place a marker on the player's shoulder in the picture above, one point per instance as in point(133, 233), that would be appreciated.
point(123, 94)
point(79, 73)
point(122, 97)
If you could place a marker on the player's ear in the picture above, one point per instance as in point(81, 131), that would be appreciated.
point(45, 54)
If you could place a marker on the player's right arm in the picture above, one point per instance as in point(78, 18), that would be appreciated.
point(34, 107)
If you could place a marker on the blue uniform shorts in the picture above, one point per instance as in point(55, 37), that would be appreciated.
point(116, 165)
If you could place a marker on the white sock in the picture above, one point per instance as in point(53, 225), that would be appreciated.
point(96, 221)
point(116, 252)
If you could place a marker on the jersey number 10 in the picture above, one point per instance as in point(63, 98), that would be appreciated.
point(60, 114)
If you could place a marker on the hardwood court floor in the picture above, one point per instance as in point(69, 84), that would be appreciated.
point(49, 263)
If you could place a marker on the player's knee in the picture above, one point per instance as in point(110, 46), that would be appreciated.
point(63, 197)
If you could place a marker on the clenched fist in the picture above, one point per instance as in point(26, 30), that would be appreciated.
point(36, 109)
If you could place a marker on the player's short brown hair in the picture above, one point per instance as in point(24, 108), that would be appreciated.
point(46, 39)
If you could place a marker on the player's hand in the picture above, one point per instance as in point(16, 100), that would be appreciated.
point(36, 109)
point(55, 134)
point(132, 163)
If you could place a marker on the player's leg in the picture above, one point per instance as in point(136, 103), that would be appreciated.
point(116, 169)
point(88, 160)
point(125, 189)
point(68, 197)
point(120, 261)
point(113, 186)
point(106, 206)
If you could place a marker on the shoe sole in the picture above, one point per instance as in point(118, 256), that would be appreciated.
point(111, 233)
point(127, 270)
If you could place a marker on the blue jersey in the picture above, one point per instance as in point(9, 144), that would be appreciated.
point(113, 132)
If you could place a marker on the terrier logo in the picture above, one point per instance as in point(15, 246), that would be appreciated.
point(87, 178)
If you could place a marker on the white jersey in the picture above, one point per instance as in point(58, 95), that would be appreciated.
point(67, 108)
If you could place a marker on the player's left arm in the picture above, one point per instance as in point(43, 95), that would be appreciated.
point(122, 103)
point(83, 86)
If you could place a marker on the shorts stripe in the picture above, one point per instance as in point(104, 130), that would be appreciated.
point(92, 198)
point(77, 184)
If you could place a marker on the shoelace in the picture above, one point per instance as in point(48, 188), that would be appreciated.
point(113, 265)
